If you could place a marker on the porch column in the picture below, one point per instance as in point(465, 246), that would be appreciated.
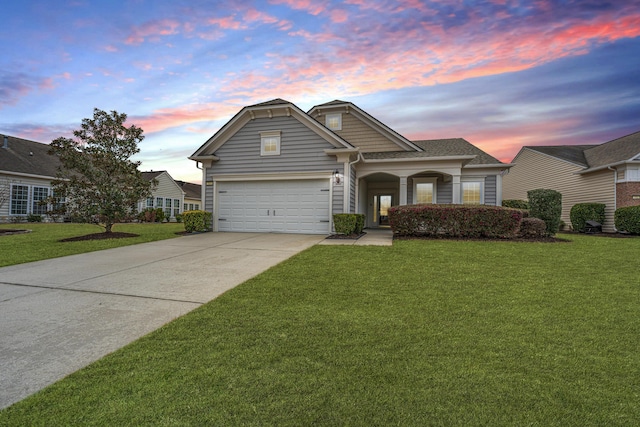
point(455, 196)
point(403, 190)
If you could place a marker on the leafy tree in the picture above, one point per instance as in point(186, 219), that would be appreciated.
point(96, 176)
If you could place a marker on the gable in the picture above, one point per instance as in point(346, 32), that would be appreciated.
point(23, 157)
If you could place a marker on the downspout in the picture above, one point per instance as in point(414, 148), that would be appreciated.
point(615, 194)
point(348, 199)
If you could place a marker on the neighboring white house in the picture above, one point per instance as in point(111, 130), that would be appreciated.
point(167, 195)
point(192, 195)
point(26, 171)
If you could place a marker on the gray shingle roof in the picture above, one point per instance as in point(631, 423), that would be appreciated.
point(570, 153)
point(192, 191)
point(28, 157)
point(615, 151)
point(440, 148)
point(276, 101)
point(150, 175)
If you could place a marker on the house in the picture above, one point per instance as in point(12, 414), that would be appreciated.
point(275, 168)
point(606, 173)
point(167, 195)
point(192, 195)
point(26, 171)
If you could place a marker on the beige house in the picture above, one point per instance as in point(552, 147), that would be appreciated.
point(167, 195)
point(192, 195)
point(607, 173)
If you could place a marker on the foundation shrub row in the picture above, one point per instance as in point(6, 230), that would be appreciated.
point(197, 221)
point(348, 224)
point(582, 212)
point(628, 219)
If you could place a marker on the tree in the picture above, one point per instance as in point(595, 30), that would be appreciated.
point(96, 176)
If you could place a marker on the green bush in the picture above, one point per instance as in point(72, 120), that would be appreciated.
point(345, 223)
point(360, 221)
point(34, 218)
point(583, 212)
point(515, 203)
point(179, 218)
point(531, 228)
point(197, 221)
point(546, 205)
point(628, 219)
point(159, 217)
point(455, 221)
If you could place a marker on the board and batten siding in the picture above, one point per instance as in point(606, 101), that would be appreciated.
point(359, 134)
point(535, 170)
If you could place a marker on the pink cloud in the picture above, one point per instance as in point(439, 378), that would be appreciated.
point(309, 6)
point(227, 23)
point(152, 31)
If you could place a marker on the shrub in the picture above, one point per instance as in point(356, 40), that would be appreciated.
point(360, 221)
point(345, 223)
point(179, 218)
point(531, 228)
point(455, 221)
point(515, 204)
point(546, 205)
point(583, 212)
point(147, 215)
point(628, 219)
point(34, 218)
point(159, 217)
point(197, 221)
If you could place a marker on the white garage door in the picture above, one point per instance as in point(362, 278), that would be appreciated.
point(301, 206)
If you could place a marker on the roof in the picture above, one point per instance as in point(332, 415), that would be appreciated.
point(570, 153)
point(150, 175)
point(441, 148)
point(191, 190)
point(595, 157)
point(616, 151)
point(23, 156)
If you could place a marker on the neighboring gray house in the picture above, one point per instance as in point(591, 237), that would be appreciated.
point(167, 195)
point(26, 171)
point(607, 173)
point(275, 168)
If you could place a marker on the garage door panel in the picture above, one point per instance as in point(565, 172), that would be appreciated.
point(274, 206)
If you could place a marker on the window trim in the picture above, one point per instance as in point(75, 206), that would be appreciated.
point(266, 136)
point(428, 180)
point(329, 117)
point(25, 201)
point(479, 180)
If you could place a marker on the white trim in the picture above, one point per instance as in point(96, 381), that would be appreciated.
point(328, 117)
point(269, 136)
point(428, 180)
point(472, 179)
point(273, 176)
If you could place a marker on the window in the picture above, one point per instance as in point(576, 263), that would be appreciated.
point(472, 192)
point(159, 202)
point(270, 143)
point(176, 207)
point(424, 190)
point(334, 121)
point(185, 207)
point(191, 206)
point(149, 202)
point(39, 200)
point(19, 199)
point(633, 174)
point(197, 207)
point(58, 204)
point(167, 208)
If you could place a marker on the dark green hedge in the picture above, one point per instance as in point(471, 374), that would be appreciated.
point(197, 221)
point(583, 212)
point(531, 228)
point(546, 205)
point(628, 219)
point(348, 223)
point(455, 221)
point(515, 204)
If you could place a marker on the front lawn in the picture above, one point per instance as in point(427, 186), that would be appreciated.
point(43, 240)
point(421, 333)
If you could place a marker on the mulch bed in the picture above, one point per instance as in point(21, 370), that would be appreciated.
point(100, 236)
point(10, 231)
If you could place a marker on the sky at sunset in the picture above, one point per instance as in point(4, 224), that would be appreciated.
point(499, 73)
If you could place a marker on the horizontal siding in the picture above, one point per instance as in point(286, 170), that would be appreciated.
point(8, 180)
point(444, 191)
point(360, 135)
point(167, 188)
point(533, 170)
point(490, 190)
point(300, 149)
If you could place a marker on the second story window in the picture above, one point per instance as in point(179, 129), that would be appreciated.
point(334, 121)
point(270, 143)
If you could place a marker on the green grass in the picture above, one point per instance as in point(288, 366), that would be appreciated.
point(43, 241)
point(421, 333)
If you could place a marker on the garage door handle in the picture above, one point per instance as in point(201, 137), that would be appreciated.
point(274, 212)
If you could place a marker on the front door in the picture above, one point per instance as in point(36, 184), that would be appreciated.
point(381, 205)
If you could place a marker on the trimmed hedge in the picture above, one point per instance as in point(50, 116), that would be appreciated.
point(628, 219)
point(515, 204)
point(348, 224)
point(546, 205)
point(531, 228)
point(455, 221)
point(197, 221)
point(582, 212)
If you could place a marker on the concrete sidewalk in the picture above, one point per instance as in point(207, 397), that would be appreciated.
point(373, 237)
point(59, 315)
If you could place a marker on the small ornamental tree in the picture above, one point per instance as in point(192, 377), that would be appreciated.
point(96, 176)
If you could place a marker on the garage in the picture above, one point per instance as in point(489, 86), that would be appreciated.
point(293, 206)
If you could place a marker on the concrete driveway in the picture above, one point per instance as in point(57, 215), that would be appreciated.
point(59, 315)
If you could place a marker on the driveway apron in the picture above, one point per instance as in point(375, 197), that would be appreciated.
point(59, 315)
